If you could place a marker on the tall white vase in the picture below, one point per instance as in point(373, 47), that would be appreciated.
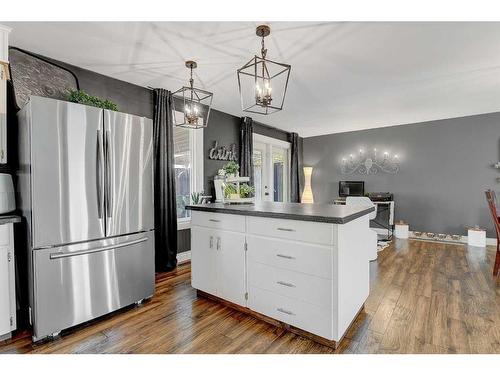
point(307, 194)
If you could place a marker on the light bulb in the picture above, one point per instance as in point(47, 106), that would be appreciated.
point(195, 110)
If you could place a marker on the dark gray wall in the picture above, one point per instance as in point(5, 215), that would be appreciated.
point(225, 129)
point(445, 168)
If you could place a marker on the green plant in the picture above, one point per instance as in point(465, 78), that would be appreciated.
point(196, 198)
point(231, 168)
point(230, 189)
point(247, 191)
point(80, 96)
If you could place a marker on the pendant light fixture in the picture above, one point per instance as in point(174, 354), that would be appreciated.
point(194, 104)
point(263, 83)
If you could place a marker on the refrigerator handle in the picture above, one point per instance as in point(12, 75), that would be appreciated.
point(99, 168)
point(108, 195)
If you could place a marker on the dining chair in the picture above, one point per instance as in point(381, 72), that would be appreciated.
point(492, 203)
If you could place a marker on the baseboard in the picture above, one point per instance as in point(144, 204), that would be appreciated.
point(183, 257)
point(489, 241)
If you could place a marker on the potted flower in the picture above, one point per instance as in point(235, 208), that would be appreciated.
point(231, 169)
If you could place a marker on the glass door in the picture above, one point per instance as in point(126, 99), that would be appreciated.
point(271, 169)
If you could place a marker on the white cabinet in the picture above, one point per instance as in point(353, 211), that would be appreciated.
point(231, 266)
point(203, 260)
point(218, 263)
point(7, 281)
point(311, 275)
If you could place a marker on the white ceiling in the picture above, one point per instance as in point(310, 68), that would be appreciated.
point(345, 75)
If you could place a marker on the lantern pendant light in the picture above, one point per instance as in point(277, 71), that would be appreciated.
point(194, 103)
point(263, 83)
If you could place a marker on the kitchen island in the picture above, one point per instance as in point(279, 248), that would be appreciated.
point(303, 267)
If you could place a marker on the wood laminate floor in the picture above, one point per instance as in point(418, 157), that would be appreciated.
point(425, 298)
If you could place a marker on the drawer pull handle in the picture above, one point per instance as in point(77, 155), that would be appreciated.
point(286, 229)
point(285, 284)
point(288, 312)
point(214, 220)
point(284, 256)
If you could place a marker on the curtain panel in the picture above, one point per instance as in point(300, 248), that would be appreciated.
point(246, 148)
point(164, 183)
point(294, 169)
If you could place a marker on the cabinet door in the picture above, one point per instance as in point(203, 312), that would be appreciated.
point(203, 260)
point(231, 266)
point(4, 292)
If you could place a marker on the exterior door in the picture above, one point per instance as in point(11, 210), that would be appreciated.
point(67, 172)
point(204, 259)
point(128, 143)
point(271, 163)
point(231, 266)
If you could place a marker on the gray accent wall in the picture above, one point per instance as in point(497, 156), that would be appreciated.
point(446, 166)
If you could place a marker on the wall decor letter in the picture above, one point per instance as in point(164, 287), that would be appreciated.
point(223, 153)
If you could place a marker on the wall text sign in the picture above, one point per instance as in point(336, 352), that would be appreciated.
point(223, 153)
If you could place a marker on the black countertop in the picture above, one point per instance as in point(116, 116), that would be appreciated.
point(6, 219)
point(323, 213)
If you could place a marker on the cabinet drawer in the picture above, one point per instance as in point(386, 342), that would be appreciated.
point(235, 223)
point(299, 314)
point(306, 231)
point(295, 256)
point(306, 288)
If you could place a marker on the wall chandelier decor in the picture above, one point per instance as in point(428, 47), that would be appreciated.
point(263, 83)
point(364, 164)
point(195, 104)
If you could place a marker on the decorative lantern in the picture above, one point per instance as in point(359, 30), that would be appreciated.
point(263, 83)
point(194, 104)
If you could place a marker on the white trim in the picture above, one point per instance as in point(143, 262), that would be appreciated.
point(184, 223)
point(272, 141)
point(183, 257)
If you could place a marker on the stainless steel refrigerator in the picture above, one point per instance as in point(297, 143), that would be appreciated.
point(85, 186)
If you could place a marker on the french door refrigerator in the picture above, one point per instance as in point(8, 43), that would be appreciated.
point(85, 186)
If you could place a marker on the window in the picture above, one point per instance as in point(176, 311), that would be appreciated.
point(188, 165)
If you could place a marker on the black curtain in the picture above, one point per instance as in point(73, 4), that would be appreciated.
point(164, 183)
point(246, 148)
point(294, 169)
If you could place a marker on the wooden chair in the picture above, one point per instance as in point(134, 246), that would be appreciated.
point(492, 202)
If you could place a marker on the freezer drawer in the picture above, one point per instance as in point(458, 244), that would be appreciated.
point(77, 283)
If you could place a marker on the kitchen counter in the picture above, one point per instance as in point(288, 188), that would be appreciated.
point(6, 219)
point(323, 213)
point(303, 267)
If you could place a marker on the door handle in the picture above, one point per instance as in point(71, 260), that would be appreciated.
point(285, 284)
point(211, 242)
point(214, 220)
point(288, 312)
point(286, 229)
point(218, 243)
point(284, 256)
point(96, 250)
point(99, 169)
point(108, 197)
